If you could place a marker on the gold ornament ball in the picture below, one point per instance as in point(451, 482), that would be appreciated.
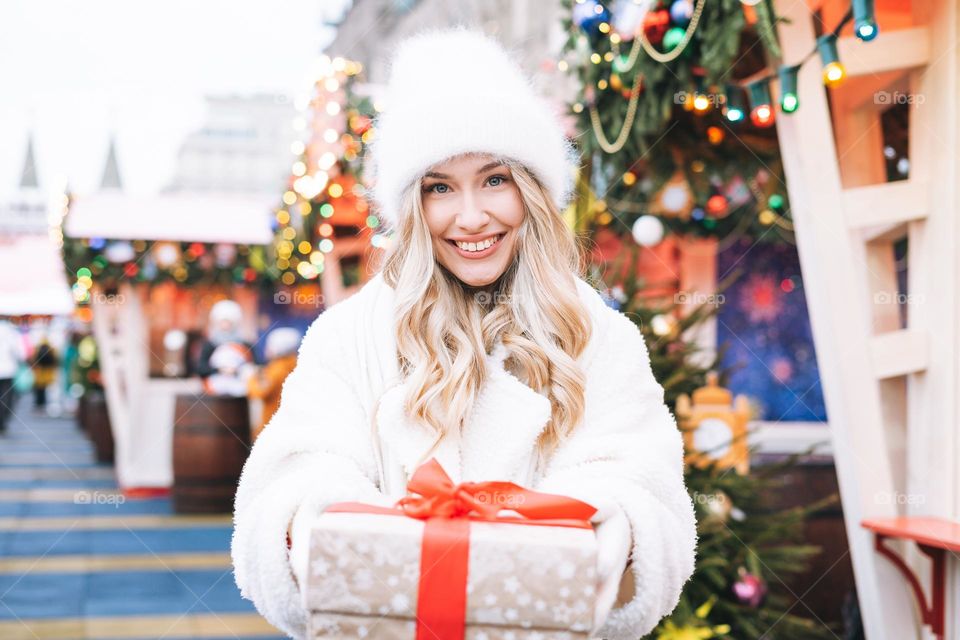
point(663, 325)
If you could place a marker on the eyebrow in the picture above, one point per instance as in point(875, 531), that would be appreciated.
point(483, 169)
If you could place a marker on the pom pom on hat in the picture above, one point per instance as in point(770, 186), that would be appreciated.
point(457, 91)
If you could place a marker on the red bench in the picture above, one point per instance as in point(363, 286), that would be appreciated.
point(934, 537)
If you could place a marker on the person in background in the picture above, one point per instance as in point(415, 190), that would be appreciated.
point(44, 365)
point(68, 366)
point(11, 355)
point(223, 330)
point(281, 354)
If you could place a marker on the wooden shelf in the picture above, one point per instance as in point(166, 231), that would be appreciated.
point(933, 532)
point(934, 537)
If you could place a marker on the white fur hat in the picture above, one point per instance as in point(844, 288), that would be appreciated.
point(456, 91)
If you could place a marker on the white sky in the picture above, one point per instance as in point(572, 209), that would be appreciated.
point(74, 72)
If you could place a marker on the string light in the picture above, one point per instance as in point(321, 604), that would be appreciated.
point(761, 111)
point(864, 20)
point(701, 102)
point(788, 88)
point(833, 71)
point(734, 110)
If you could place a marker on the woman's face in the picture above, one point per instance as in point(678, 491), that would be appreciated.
point(474, 210)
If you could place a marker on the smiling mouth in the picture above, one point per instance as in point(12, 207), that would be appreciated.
point(478, 248)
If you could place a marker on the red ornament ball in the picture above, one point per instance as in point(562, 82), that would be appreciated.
point(655, 25)
point(717, 206)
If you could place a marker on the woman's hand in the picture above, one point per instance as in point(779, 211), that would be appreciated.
point(613, 548)
point(298, 532)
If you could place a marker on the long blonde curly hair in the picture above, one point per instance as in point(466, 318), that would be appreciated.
point(444, 328)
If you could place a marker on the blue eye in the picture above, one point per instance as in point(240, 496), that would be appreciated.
point(499, 178)
point(435, 188)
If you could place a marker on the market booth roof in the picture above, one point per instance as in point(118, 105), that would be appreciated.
point(185, 217)
point(44, 290)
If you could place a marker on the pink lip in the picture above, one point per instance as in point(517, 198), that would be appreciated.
point(477, 255)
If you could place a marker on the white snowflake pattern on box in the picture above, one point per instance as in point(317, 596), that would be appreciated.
point(525, 582)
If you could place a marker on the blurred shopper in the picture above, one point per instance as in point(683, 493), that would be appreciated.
point(11, 356)
point(281, 353)
point(226, 359)
point(44, 365)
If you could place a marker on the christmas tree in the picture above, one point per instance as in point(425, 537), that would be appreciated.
point(746, 550)
point(324, 199)
point(670, 132)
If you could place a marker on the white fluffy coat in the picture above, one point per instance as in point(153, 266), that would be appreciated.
point(345, 396)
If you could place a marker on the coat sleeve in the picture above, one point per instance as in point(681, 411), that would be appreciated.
point(204, 370)
point(628, 449)
point(316, 451)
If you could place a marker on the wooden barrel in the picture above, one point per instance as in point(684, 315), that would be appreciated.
point(97, 421)
point(211, 440)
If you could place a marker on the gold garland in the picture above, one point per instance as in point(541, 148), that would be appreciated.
point(640, 39)
point(672, 55)
point(617, 145)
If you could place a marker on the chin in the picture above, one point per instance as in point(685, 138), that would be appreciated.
point(477, 280)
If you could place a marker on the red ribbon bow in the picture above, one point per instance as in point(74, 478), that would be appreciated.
point(448, 509)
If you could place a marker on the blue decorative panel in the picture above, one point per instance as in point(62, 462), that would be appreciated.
point(766, 328)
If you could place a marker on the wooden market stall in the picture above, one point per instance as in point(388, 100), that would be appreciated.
point(147, 327)
point(878, 253)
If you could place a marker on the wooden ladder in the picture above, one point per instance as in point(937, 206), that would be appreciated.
point(891, 390)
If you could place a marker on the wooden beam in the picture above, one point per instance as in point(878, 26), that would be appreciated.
point(900, 49)
point(887, 232)
point(889, 203)
point(836, 283)
point(898, 353)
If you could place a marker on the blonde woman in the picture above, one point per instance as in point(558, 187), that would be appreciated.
point(478, 343)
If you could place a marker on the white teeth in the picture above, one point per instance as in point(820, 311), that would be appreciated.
point(475, 246)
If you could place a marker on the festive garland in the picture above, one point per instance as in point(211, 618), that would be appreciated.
point(687, 118)
point(669, 123)
point(325, 199)
point(109, 262)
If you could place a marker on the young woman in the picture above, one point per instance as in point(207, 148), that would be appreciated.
point(478, 343)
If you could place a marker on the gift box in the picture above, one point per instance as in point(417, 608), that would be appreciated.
point(482, 561)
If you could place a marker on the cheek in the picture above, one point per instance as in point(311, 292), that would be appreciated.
point(508, 207)
point(438, 215)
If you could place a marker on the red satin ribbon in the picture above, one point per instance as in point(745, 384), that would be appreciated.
point(447, 510)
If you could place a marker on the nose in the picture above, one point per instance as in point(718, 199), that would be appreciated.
point(472, 215)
